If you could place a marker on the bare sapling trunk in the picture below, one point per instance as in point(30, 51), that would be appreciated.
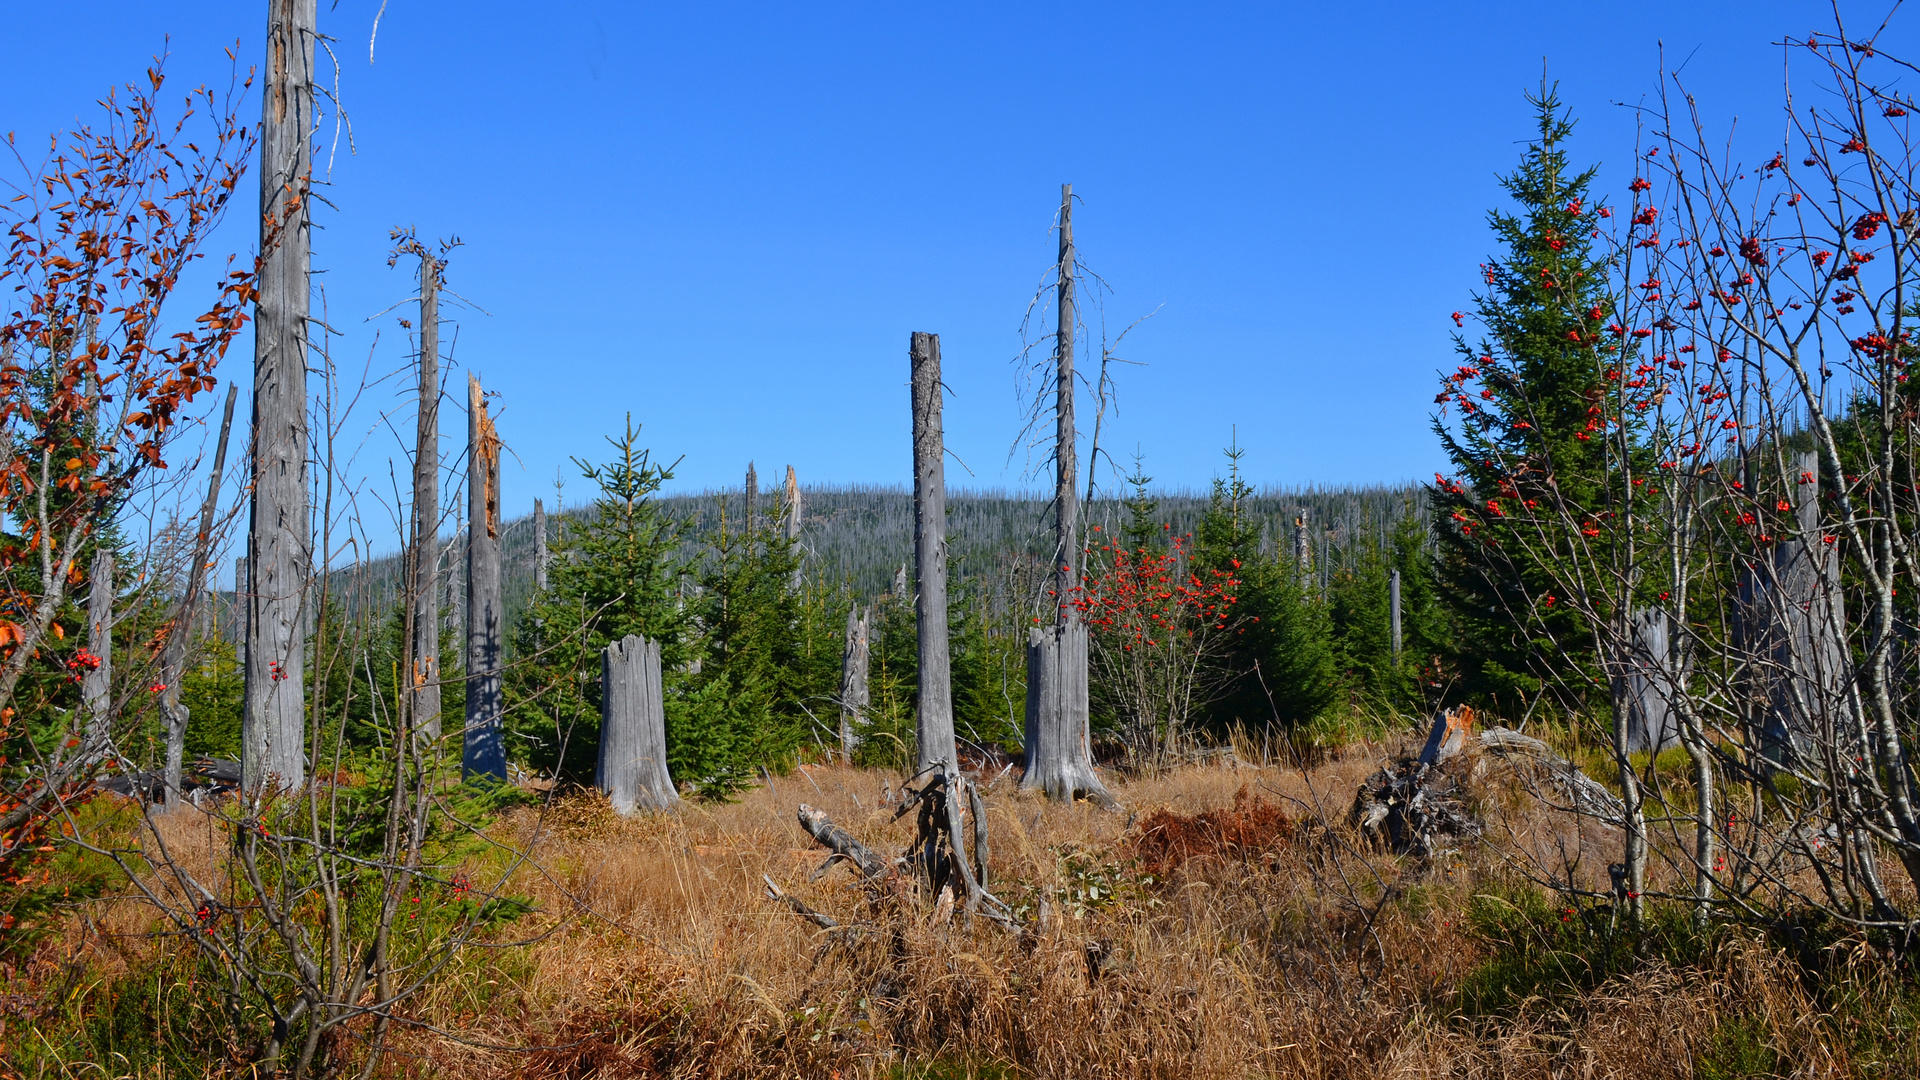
point(853, 682)
point(633, 728)
point(934, 718)
point(424, 668)
point(539, 547)
point(173, 661)
point(1059, 752)
point(279, 541)
point(96, 684)
point(484, 751)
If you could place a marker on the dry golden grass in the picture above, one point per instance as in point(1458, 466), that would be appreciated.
point(666, 958)
point(1220, 943)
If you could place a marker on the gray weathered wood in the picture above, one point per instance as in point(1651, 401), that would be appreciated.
point(484, 751)
point(96, 684)
point(633, 728)
point(753, 500)
point(1393, 606)
point(1058, 754)
point(1059, 751)
point(841, 843)
point(539, 547)
point(1302, 547)
point(424, 665)
point(173, 659)
point(1792, 629)
point(854, 697)
point(1652, 724)
point(279, 542)
point(793, 509)
point(933, 729)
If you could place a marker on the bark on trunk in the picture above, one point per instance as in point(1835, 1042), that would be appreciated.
point(934, 724)
point(1393, 618)
point(279, 542)
point(633, 728)
point(173, 662)
point(1058, 754)
point(425, 667)
point(484, 751)
point(853, 682)
point(753, 500)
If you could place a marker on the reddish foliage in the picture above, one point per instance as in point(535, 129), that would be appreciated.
point(1169, 840)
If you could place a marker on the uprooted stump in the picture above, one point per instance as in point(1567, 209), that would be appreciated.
point(948, 858)
point(1417, 805)
point(1252, 828)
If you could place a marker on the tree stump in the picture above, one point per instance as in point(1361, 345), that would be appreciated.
point(483, 748)
point(934, 716)
point(854, 697)
point(633, 728)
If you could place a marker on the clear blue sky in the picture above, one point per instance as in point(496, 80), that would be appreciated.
point(727, 219)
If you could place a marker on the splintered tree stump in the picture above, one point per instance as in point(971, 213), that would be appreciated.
point(934, 713)
point(633, 729)
point(483, 747)
point(1448, 736)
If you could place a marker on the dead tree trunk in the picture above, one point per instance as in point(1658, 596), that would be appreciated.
point(96, 685)
point(484, 751)
point(539, 547)
point(1058, 754)
point(934, 727)
point(853, 682)
point(1393, 607)
point(1651, 721)
point(633, 728)
point(279, 543)
point(753, 500)
point(425, 670)
point(793, 519)
point(173, 661)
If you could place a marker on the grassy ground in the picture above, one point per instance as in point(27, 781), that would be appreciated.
point(1227, 924)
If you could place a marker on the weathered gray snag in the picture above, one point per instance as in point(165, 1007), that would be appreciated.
point(279, 543)
point(793, 510)
point(1792, 627)
point(853, 682)
point(484, 751)
point(633, 728)
point(1393, 605)
point(753, 500)
point(173, 660)
point(933, 729)
point(425, 669)
point(1651, 683)
point(96, 686)
point(539, 547)
point(1302, 547)
point(1058, 755)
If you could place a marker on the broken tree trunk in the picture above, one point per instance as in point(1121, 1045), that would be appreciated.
point(1793, 630)
point(841, 843)
point(753, 500)
point(484, 751)
point(424, 665)
point(1393, 611)
point(633, 728)
point(793, 517)
point(279, 544)
point(934, 717)
point(173, 661)
point(853, 682)
point(1058, 754)
point(539, 547)
point(1651, 721)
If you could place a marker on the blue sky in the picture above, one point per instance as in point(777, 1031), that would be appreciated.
point(727, 219)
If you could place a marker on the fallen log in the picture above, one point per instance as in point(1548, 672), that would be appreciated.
point(836, 839)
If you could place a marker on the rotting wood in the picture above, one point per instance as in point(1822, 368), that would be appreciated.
point(839, 841)
point(854, 698)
